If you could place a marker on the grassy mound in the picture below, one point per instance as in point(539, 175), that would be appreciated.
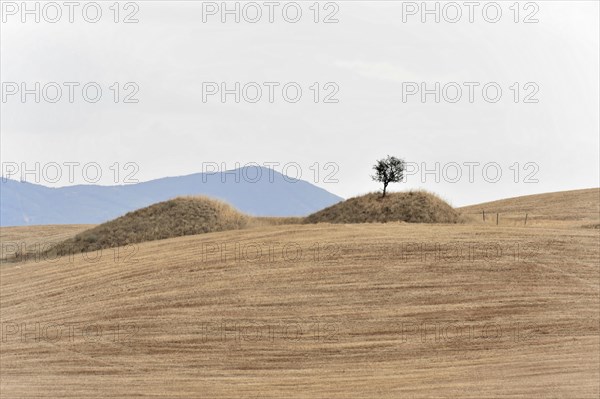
point(411, 207)
point(174, 218)
point(196, 215)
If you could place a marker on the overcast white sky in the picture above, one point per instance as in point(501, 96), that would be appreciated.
point(369, 54)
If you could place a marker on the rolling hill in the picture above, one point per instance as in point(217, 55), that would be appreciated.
point(198, 215)
point(563, 208)
point(312, 310)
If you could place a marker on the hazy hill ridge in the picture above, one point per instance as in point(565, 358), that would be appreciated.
point(272, 194)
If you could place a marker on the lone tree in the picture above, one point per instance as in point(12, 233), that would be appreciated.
point(388, 170)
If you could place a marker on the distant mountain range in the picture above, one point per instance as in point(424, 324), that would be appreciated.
point(273, 194)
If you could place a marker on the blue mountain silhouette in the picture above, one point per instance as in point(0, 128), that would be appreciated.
point(264, 192)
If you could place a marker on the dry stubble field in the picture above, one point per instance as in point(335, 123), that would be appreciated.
point(317, 311)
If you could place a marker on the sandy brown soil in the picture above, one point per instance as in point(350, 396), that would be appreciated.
point(312, 311)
